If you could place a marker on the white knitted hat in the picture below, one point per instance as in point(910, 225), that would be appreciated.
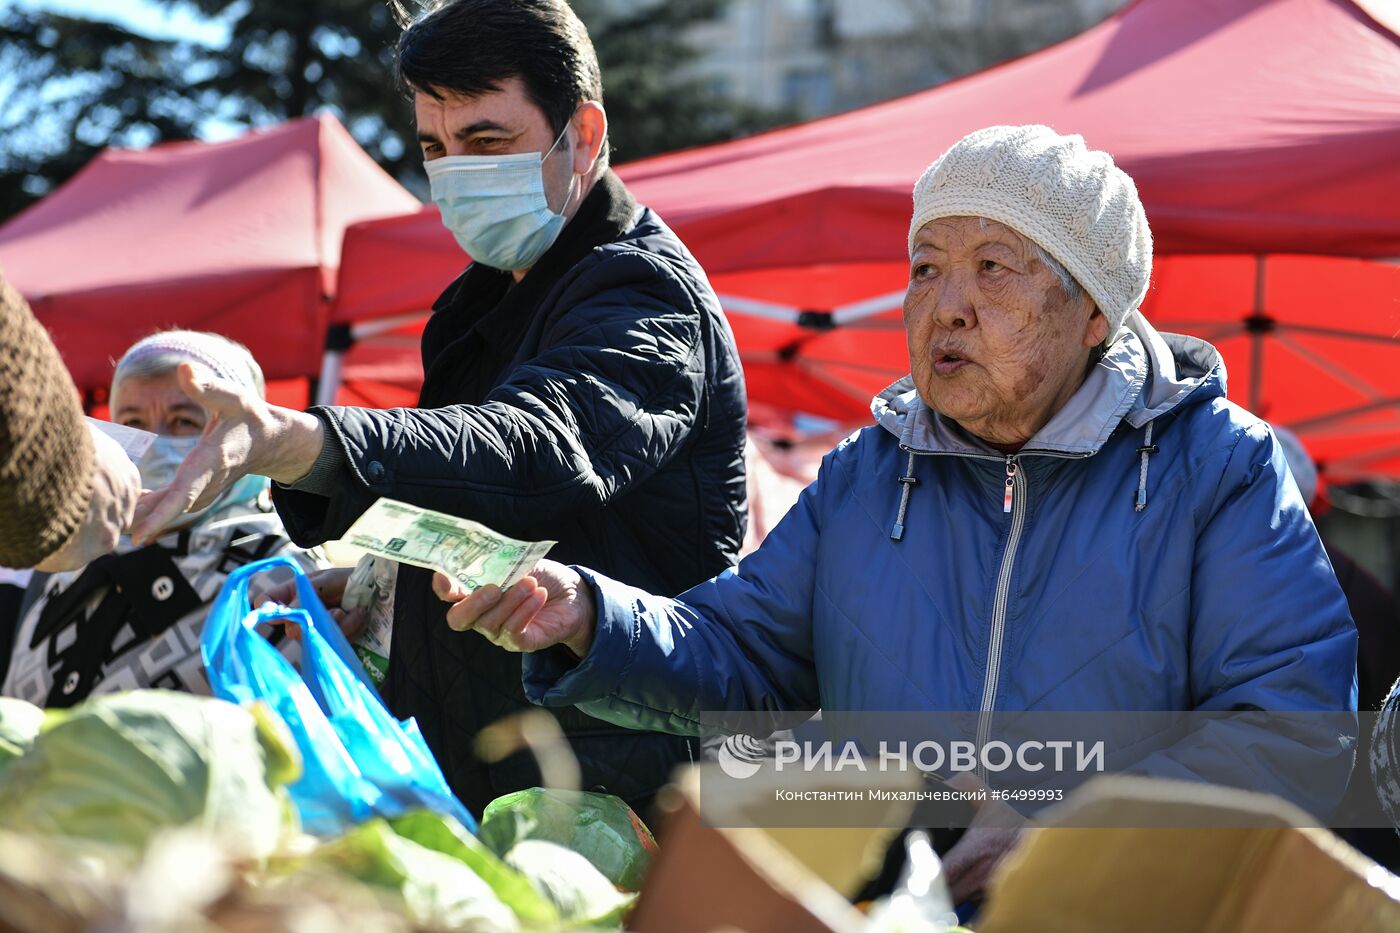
point(225, 358)
point(1071, 200)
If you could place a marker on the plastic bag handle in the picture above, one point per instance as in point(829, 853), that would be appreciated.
point(228, 615)
point(237, 583)
point(312, 612)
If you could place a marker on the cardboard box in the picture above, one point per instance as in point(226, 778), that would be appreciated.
point(1248, 862)
point(793, 880)
point(1122, 854)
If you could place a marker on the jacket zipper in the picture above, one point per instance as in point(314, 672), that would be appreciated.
point(1014, 501)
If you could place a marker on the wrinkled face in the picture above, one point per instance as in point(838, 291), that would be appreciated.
point(501, 122)
point(994, 343)
point(156, 403)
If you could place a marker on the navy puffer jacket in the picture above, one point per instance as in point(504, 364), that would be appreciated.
point(600, 403)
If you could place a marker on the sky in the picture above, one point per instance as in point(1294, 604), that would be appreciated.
point(140, 15)
point(151, 19)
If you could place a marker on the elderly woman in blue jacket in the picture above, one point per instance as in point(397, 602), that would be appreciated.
point(1057, 510)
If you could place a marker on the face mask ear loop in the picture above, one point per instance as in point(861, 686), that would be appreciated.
point(557, 140)
point(573, 176)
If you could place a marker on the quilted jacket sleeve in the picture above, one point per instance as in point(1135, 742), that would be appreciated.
point(739, 643)
point(1270, 632)
point(611, 397)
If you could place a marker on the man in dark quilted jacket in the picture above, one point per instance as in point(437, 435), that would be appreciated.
point(581, 384)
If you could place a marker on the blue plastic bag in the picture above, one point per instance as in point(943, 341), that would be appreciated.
point(359, 761)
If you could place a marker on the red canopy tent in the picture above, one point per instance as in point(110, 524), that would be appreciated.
point(392, 271)
point(1265, 134)
point(240, 237)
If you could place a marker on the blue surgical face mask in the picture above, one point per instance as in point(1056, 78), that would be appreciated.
point(495, 206)
point(166, 453)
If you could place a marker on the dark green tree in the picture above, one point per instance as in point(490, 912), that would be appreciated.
point(653, 106)
point(290, 59)
point(77, 84)
point(70, 85)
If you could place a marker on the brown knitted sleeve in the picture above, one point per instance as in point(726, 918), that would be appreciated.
point(46, 458)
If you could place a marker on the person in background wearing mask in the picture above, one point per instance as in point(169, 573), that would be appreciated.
point(132, 619)
point(581, 384)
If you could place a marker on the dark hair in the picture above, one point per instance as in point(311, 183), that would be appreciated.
point(469, 47)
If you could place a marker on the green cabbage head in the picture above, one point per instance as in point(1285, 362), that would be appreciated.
point(580, 892)
point(600, 827)
point(120, 768)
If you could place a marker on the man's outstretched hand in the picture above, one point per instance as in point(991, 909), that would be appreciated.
point(243, 434)
point(553, 605)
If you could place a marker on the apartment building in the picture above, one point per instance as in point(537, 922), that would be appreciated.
point(814, 57)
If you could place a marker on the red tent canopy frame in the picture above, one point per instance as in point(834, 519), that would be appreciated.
point(1263, 135)
point(240, 237)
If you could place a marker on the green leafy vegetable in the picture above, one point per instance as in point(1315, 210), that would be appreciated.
point(435, 889)
point(444, 834)
point(600, 827)
point(581, 893)
point(19, 724)
point(120, 768)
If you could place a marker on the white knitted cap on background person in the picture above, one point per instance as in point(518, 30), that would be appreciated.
point(1069, 199)
point(225, 358)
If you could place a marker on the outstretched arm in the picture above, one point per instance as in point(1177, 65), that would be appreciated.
point(740, 643)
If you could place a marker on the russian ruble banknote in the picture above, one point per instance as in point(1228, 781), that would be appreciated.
point(371, 588)
point(467, 551)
